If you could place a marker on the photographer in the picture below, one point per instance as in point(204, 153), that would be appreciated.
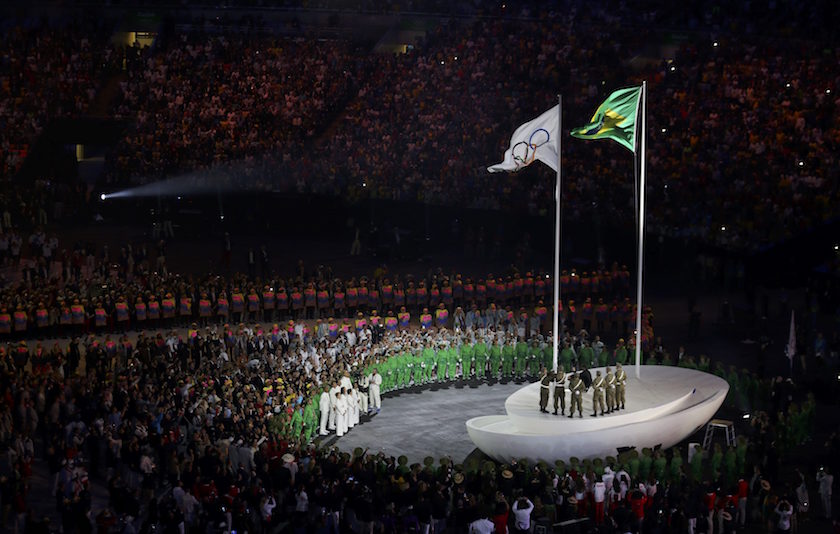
point(784, 510)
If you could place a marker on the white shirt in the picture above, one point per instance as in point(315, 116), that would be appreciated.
point(599, 491)
point(522, 516)
point(482, 526)
point(376, 379)
point(324, 402)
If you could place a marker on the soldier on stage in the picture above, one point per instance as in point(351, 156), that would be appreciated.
point(610, 380)
point(576, 388)
point(598, 394)
point(620, 381)
point(545, 384)
point(560, 391)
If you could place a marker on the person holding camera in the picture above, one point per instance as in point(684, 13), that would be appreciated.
point(784, 510)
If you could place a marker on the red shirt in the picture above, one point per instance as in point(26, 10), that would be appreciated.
point(709, 500)
point(501, 521)
point(637, 503)
point(743, 489)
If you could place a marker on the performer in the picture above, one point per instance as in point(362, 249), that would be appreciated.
point(375, 383)
point(576, 388)
point(560, 391)
point(545, 385)
point(620, 381)
point(598, 394)
point(334, 391)
point(610, 379)
point(324, 407)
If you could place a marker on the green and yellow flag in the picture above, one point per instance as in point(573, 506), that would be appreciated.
point(614, 119)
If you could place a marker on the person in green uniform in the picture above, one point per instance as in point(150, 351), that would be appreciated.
point(417, 366)
point(441, 361)
point(507, 360)
point(297, 423)
point(495, 359)
point(428, 363)
point(310, 418)
point(403, 369)
point(697, 463)
point(620, 352)
point(545, 387)
point(587, 355)
point(468, 361)
point(576, 387)
point(567, 355)
point(520, 351)
point(560, 391)
point(547, 355)
point(387, 369)
point(482, 358)
point(454, 362)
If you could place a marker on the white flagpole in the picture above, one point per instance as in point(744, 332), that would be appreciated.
point(556, 304)
point(641, 251)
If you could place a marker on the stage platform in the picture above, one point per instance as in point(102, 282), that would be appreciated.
point(664, 406)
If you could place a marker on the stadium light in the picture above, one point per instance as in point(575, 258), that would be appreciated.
point(723, 228)
point(103, 196)
point(715, 44)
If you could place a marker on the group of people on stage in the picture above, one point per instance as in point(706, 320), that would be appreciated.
point(554, 383)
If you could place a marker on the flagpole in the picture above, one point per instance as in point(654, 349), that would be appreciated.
point(641, 251)
point(556, 305)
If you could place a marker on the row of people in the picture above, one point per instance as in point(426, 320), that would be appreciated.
point(213, 300)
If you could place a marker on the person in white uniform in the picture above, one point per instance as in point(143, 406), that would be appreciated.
point(375, 384)
point(341, 414)
point(352, 408)
point(324, 405)
point(334, 390)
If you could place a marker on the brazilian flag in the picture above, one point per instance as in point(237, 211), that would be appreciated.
point(614, 119)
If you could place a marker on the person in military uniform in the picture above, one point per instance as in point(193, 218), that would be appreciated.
point(545, 385)
point(598, 394)
point(620, 381)
point(610, 390)
point(576, 388)
point(560, 391)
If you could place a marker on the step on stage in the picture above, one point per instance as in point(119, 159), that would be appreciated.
point(663, 407)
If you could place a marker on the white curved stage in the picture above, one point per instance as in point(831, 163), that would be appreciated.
point(664, 406)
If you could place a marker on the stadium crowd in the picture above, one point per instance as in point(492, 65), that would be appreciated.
point(449, 103)
point(219, 429)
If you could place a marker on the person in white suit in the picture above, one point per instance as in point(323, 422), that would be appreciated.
point(375, 384)
point(334, 390)
point(341, 414)
point(352, 407)
point(324, 406)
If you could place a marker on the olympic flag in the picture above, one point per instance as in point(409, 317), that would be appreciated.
point(534, 140)
point(614, 119)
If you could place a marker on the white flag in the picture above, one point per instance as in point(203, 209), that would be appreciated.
point(534, 140)
point(790, 350)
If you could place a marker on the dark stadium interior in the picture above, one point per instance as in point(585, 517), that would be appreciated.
point(209, 211)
